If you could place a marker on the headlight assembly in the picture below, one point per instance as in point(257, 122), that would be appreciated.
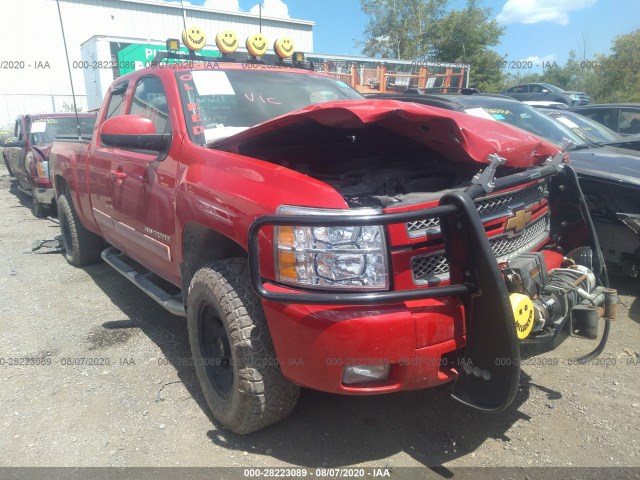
point(331, 257)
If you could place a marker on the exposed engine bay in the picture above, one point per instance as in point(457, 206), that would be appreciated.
point(371, 166)
point(383, 181)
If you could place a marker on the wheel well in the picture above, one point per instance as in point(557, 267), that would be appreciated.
point(60, 185)
point(201, 245)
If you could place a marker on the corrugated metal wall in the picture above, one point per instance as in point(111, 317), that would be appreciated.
point(157, 21)
point(33, 30)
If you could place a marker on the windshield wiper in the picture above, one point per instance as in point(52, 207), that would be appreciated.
point(582, 146)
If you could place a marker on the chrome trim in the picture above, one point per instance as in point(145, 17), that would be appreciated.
point(421, 228)
point(533, 234)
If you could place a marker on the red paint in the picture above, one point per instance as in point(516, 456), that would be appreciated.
point(128, 125)
point(225, 192)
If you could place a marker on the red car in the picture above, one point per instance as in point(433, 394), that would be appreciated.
point(27, 154)
point(314, 238)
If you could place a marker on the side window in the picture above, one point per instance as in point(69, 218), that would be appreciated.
point(536, 88)
point(18, 131)
point(150, 101)
point(116, 102)
point(600, 115)
point(629, 121)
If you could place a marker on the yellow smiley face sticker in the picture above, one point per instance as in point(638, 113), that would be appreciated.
point(227, 41)
point(194, 38)
point(256, 45)
point(283, 47)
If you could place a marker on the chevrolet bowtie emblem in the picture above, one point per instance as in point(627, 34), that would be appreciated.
point(518, 222)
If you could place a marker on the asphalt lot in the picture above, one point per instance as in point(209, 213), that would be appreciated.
point(110, 388)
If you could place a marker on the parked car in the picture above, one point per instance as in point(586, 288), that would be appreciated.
point(544, 104)
point(592, 131)
point(623, 118)
point(26, 155)
point(343, 246)
point(546, 92)
point(609, 175)
point(442, 90)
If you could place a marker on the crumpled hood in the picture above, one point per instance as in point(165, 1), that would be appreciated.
point(455, 135)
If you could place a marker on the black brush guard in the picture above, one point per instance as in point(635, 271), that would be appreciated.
point(490, 373)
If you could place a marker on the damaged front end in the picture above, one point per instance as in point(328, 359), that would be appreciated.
point(514, 243)
point(615, 209)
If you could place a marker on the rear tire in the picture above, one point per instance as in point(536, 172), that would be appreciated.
point(233, 353)
point(81, 246)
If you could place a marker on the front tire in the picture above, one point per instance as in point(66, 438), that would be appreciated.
point(40, 210)
point(232, 349)
point(81, 246)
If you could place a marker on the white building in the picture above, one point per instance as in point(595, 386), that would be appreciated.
point(33, 72)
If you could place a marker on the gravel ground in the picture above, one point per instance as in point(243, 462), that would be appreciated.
point(132, 407)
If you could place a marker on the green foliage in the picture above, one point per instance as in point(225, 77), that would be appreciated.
point(486, 71)
point(463, 35)
point(606, 78)
point(419, 30)
point(397, 28)
point(617, 76)
point(68, 107)
point(6, 131)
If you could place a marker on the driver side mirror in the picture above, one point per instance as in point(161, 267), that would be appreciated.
point(13, 142)
point(133, 132)
point(544, 90)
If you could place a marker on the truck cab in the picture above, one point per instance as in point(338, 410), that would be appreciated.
point(315, 238)
point(26, 155)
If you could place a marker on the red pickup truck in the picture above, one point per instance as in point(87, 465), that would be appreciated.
point(313, 238)
point(26, 155)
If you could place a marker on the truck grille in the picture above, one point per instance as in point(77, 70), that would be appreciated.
point(433, 268)
point(490, 207)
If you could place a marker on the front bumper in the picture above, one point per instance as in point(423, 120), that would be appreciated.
point(377, 325)
point(46, 196)
point(420, 340)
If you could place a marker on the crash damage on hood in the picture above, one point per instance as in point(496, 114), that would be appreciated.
point(386, 153)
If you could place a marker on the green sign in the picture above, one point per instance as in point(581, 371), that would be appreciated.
point(136, 56)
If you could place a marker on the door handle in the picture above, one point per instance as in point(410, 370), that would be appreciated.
point(119, 175)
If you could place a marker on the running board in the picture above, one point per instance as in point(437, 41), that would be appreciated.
point(26, 192)
point(173, 303)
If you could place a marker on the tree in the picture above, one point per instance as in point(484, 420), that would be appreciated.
point(397, 28)
point(486, 72)
point(463, 36)
point(618, 75)
point(606, 78)
point(68, 107)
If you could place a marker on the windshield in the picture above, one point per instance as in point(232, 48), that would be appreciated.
point(220, 103)
point(524, 117)
point(45, 130)
point(586, 128)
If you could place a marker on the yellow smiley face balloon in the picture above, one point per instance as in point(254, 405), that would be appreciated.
point(227, 41)
point(256, 45)
point(194, 38)
point(283, 47)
